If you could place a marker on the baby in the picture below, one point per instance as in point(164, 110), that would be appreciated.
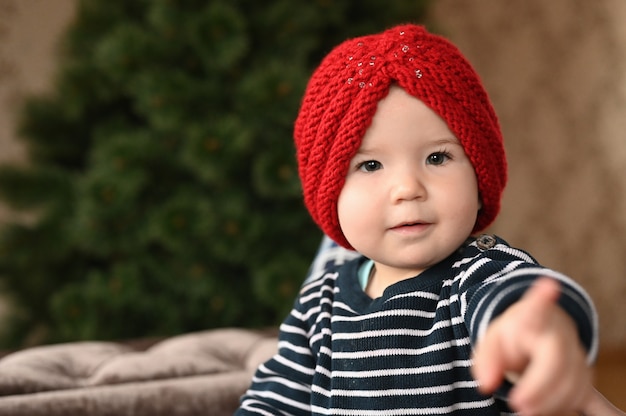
point(401, 159)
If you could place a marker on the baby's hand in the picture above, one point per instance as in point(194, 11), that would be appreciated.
point(535, 344)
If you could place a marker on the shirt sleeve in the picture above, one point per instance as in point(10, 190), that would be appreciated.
point(498, 276)
point(282, 385)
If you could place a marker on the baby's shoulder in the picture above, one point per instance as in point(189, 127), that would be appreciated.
point(495, 248)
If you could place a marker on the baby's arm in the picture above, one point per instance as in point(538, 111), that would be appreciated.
point(536, 344)
point(282, 385)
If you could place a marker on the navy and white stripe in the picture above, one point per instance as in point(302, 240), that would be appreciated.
point(407, 352)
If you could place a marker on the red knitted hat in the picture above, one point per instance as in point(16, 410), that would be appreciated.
point(341, 98)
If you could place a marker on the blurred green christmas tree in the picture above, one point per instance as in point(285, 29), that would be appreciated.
point(162, 174)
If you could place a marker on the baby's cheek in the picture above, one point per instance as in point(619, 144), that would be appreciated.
point(356, 210)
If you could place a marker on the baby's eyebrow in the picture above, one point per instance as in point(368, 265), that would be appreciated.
point(364, 151)
point(447, 140)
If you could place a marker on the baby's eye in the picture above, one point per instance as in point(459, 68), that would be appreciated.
point(370, 165)
point(437, 158)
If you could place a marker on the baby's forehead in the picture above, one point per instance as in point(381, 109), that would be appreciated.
point(372, 147)
point(398, 113)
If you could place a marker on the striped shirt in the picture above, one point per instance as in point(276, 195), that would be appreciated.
point(407, 352)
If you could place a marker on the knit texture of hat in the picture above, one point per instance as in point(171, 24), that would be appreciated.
point(342, 96)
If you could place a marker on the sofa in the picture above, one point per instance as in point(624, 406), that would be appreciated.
point(201, 373)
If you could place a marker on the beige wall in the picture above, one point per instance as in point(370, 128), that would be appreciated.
point(29, 34)
point(556, 71)
point(29, 31)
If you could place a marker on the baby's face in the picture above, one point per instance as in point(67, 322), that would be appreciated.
point(410, 197)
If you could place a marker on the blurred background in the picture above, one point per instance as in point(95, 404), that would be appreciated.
point(147, 180)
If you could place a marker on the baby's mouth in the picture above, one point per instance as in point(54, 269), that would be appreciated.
point(410, 225)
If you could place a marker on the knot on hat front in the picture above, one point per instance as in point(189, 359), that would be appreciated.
point(341, 98)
